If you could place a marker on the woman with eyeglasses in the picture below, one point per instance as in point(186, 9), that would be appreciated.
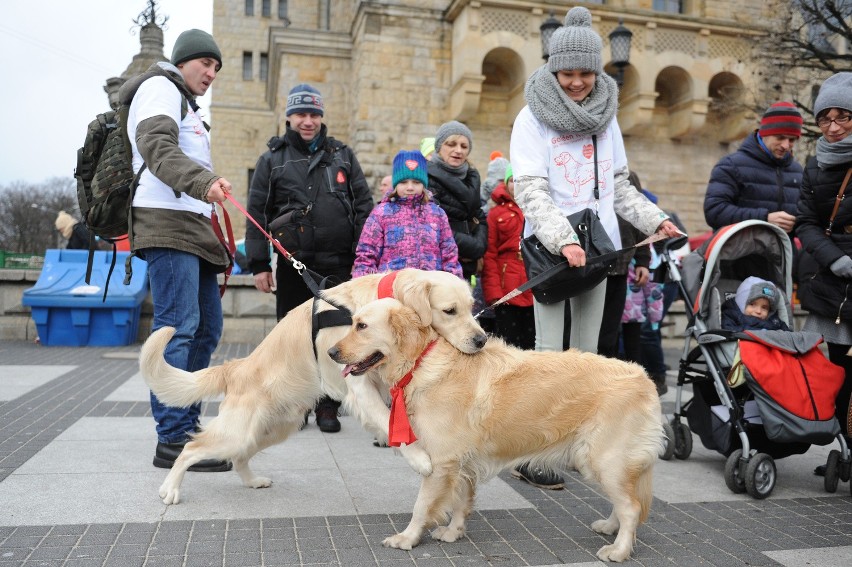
point(824, 226)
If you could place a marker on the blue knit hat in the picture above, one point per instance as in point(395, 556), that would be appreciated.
point(304, 98)
point(409, 164)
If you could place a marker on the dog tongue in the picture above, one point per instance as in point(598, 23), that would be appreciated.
point(347, 369)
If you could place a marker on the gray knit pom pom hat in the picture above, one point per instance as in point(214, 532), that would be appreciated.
point(575, 45)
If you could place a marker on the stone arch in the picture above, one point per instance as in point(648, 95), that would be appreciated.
point(728, 112)
point(674, 112)
point(500, 100)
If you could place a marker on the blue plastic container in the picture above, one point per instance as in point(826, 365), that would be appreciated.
point(69, 312)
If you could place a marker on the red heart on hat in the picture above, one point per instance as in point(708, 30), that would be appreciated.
point(411, 164)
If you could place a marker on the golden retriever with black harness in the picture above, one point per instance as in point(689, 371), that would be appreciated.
point(477, 414)
point(268, 393)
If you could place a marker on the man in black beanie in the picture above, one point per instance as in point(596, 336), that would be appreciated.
point(172, 221)
point(317, 181)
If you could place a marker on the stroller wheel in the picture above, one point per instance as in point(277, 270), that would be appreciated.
point(832, 471)
point(668, 443)
point(682, 440)
point(734, 473)
point(760, 476)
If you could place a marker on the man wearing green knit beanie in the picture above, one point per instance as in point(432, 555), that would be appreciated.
point(172, 225)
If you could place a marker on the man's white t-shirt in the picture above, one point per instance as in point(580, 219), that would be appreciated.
point(159, 96)
point(567, 161)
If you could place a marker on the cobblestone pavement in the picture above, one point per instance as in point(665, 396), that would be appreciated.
point(77, 489)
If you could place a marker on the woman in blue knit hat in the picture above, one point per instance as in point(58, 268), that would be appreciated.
point(564, 140)
point(407, 229)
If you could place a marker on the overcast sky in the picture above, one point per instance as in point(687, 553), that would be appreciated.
point(56, 58)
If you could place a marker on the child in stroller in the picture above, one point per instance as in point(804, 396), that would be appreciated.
point(755, 306)
point(779, 407)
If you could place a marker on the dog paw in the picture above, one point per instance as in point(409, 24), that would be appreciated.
point(613, 553)
point(418, 459)
point(398, 541)
point(605, 527)
point(259, 482)
point(170, 495)
point(447, 534)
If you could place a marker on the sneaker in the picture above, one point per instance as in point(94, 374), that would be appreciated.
point(820, 470)
point(327, 419)
point(539, 477)
point(167, 453)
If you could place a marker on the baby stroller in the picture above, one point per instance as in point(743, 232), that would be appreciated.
point(782, 401)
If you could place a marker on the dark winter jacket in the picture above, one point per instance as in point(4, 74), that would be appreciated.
point(503, 267)
point(733, 319)
point(79, 238)
point(822, 292)
point(750, 184)
point(459, 197)
point(328, 184)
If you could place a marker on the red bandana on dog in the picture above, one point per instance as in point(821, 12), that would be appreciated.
point(399, 428)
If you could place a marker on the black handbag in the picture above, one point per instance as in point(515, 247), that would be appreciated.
point(568, 282)
point(292, 230)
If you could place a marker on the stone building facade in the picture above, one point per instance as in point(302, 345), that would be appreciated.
point(391, 71)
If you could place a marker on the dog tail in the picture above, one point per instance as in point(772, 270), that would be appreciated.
point(173, 386)
point(645, 493)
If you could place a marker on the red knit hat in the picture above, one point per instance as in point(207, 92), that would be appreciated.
point(781, 119)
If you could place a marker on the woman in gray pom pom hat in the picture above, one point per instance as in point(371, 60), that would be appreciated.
point(567, 128)
point(566, 132)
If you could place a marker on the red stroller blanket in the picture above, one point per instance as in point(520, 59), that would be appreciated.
point(794, 384)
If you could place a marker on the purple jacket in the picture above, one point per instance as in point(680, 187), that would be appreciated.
point(405, 232)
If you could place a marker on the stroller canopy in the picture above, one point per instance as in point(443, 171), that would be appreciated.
point(748, 248)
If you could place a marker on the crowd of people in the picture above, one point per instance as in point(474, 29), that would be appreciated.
point(434, 212)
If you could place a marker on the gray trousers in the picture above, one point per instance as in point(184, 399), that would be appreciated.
point(586, 313)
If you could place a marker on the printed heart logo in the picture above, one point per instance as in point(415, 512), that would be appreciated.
point(411, 164)
point(588, 150)
point(340, 177)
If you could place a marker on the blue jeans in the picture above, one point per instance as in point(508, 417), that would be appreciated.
point(185, 294)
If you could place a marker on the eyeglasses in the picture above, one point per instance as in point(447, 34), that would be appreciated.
point(825, 121)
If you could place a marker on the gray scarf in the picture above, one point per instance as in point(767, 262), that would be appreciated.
point(549, 103)
point(460, 171)
point(833, 154)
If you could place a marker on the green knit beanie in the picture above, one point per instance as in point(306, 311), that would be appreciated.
point(195, 44)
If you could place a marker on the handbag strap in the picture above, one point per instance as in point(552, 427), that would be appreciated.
point(595, 148)
point(838, 200)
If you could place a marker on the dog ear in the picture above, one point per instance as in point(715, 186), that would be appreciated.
point(415, 294)
point(405, 324)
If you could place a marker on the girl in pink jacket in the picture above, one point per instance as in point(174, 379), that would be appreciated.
point(406, 229)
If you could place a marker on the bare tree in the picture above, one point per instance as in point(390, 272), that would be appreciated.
point(28, 212)
point(807, 42)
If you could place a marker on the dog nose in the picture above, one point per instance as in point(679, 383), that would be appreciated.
point(334, 352)
point(479, 341)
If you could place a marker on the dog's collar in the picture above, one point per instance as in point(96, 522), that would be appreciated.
point(386, 285)
point(399, 428)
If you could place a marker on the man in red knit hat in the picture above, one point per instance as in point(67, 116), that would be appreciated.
point(760, 180)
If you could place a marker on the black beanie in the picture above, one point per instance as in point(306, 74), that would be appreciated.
point(195, 44)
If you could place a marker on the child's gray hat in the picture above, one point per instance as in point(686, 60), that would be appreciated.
point(575, 45)
point(753, 288)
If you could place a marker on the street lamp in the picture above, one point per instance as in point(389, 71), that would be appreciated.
point(619, 46)
point(546, 29)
